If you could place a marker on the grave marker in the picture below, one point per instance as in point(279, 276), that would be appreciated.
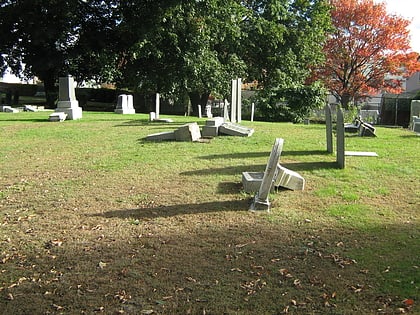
point(125, 104)
point(260, 201)
point(329, 129)
point(67, 102)
point(233, 102)
point(340, 139)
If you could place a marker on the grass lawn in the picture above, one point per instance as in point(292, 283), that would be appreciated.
point(94, 219)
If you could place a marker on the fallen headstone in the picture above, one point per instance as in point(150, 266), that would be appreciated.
point(289, 179)
point(9, 109)
point(30, 108)
point(211, 129)
point(232, 129)
point(161, 136)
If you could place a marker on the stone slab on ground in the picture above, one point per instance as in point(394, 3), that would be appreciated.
point(161, 136)
point(215, 122)
point(9, 109)
point(359, 153)
point(232, 129)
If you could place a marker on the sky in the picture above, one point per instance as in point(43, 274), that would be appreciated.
point(410, 10)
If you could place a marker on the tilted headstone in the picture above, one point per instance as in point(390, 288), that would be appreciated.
point(366, 130)
point(67, 102)
point(30, 108)
point(125, 104)
point(340, 139)
point(329, 129)
point(260, 201)
point(9, 109)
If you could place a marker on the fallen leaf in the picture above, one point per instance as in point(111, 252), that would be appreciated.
point(102, 265)
point(408, 302)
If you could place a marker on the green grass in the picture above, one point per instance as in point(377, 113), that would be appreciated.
point(94, 218)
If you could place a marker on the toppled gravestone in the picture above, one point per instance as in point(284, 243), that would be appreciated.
point(187, 132)
point(232, 129)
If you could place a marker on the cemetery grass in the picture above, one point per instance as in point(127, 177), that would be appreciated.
point(94, 219)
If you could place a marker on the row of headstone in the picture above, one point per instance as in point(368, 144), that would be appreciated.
point(214, 127)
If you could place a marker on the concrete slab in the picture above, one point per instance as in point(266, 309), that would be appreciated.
point(232, 129)
point(161, 136)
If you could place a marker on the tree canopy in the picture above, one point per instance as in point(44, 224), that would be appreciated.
point(368, 51)
point(176, 47)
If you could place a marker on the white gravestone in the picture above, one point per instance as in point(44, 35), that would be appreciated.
point(233, 102)
point(157, 103)
point(239, 100)
point(67, 102)
point(125, 104)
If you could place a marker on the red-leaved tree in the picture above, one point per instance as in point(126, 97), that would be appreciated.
point(367, 52)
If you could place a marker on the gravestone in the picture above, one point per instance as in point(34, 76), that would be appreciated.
point(30, 108)
point(232, 129)
point(233, 102)
point(366, 130)
point(208, 111)
point(288, 179)
point(211, 129)
point(226, 110)
point(416, 124)
point(340, 139)
point(9, 109)
point(188, 132)
point(157, 103)
point(67, 102)
point(125, 104)
point(199, 111)
point(252, 111)
point(260, 201)
point(161, 136)
point(329, 129)
point(238, 100)
point(414, 110)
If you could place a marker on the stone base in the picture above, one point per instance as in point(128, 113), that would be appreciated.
point(251, 181)
point(210, 131)
point(57, 116)
point(188, 132)
point(72, 113)
point(125, 111)
point(259, 205)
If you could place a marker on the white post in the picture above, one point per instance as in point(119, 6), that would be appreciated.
point(239, 99)
point(252, 111)
point(199, 111)
point(233, 102)
point(157, 105)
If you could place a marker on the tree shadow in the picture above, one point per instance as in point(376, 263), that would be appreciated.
point(179, 209)
point(244, 155)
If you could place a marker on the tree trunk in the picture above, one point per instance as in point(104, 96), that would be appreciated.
point(345, 100)
point(51, 93)
point(198, 98)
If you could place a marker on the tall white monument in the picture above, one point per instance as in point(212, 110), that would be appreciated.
point(67, 102)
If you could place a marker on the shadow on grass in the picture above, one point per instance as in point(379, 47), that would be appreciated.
point(242, 155)
point(146, 122)
point(237, 170)
point(28, 120)
point(175, 210)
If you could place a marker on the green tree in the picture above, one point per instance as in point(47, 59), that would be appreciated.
point(49, 38)
point(189, 48)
